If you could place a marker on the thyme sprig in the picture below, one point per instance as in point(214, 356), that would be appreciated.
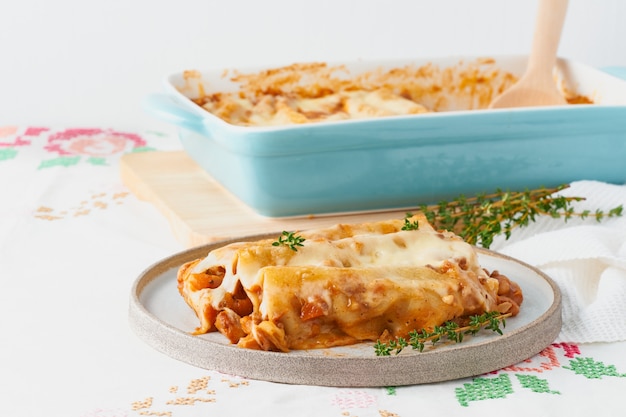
point(289, 239)
point(450, 330)
point(478, 220)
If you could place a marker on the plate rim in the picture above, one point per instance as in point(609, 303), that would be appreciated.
point(339, 371)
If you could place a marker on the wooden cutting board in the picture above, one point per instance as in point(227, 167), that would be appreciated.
point(201, 211)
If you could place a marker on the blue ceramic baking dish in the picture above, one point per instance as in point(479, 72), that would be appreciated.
point(404, 161)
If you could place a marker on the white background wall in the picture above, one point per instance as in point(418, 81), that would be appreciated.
point(90, 63)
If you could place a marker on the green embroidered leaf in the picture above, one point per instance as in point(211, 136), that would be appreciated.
point(65, 161)
point(484, 389)
point(97, 161)
point(7, 153)
point(592, 369)
point(535, 384)
point(142, 149)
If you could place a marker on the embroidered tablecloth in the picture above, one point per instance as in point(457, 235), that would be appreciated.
point(72, 241)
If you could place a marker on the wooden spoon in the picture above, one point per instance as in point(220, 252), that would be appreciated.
point(537, 86)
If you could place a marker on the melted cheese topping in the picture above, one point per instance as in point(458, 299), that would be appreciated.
point(345, 284)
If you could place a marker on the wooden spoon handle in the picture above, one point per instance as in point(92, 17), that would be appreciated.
point(548, 28)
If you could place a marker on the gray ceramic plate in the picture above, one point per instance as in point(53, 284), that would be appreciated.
point(161, 318)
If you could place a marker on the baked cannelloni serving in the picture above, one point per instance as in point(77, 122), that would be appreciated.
point(342, 285)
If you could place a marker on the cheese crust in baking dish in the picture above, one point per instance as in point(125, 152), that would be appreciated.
point(345, 284)
point(318, 92)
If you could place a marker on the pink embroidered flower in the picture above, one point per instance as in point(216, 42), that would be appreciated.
point(93, 142)
point(19, 140)
point(544, 361)
point(35, 131)
point(346, 399)
point(6, 131)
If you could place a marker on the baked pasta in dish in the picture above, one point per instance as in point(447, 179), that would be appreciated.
point(318, 92)
point(345, 284)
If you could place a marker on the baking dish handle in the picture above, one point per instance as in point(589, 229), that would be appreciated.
point(619, 72)
point(163, 107)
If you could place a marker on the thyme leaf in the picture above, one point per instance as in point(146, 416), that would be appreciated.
point(410, 225)
point(289, 239)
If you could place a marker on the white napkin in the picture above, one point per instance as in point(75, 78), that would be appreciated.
point(586, 258)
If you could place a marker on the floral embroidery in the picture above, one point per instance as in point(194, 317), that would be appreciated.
point(569, 349)
point(71, 146)
point(235, 384)
point(94, 146)
point(484, 388)
point(197, 393)
point(496, 385)
point(9, 149)
point(190, 400)
point(7, 131)
point(35, 131)
point(385, 413)
point(92, 142)
point(19, 140)
point(537, 364)
point(142, 404)
point(7, 153)
point(499, 387)
point(199, 384)
point(353, 399)
point(62, 161)
point(592, 369)
point(535, 384)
